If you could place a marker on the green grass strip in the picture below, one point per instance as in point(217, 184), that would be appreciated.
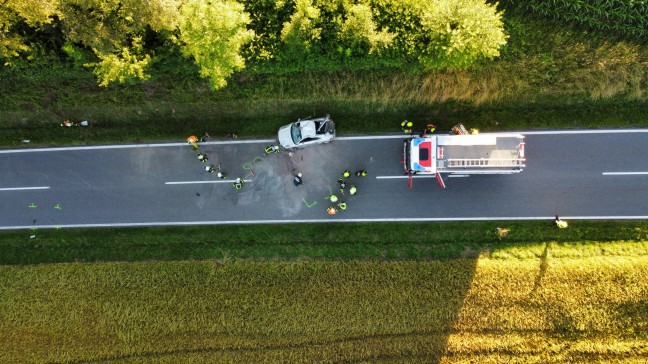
point(389, 241)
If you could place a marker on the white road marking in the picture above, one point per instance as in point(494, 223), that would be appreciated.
point(24, 188)
point(374, 137)
point(624, 173)
point(199, 182)
point(332, 220)
point(126, 146)
point(358, 137)
point(591, 131)
point(405, 177)
point(421, 176)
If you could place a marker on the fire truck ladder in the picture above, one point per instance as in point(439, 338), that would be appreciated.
point(459, 129)
point(514, 162)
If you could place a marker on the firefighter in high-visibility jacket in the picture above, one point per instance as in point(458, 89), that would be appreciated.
point(560, 223)
point(271, 149)
point(407, 126)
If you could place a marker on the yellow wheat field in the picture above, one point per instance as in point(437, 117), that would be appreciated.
point(552, 310)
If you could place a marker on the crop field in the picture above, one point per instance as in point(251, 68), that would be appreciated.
point(571, 306)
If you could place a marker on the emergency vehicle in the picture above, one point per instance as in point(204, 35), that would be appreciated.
point(463, 153)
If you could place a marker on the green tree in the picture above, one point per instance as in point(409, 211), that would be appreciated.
point(301, 30)
point(34, 13)
point(443, 33)
point(213, 34)
point(359, 30)
point(114, 30)
point(463, 32)
point(130, 64)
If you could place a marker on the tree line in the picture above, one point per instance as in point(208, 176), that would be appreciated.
point(119, 40)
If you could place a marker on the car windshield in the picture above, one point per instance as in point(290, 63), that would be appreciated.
point(295, 133)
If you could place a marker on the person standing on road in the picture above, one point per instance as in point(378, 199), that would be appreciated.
point(361, 173)
point(271, 149)
point(331, 210)
point(220, 172)
point(210, 169)
point(353, 190)
point(342, 206)
point(560, 223)
point(238, 184)
point(202, 157)
point(342, 185)
point(193, 141)
point(407, 126)
point(333, 198)
point(297, 180)
point(346, 173)
point(429, 129)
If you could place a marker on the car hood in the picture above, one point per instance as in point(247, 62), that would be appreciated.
point(285, 139)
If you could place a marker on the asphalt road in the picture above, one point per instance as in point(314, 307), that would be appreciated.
point(578, 175)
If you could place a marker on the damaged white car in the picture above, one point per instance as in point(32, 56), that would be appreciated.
point(303, 133)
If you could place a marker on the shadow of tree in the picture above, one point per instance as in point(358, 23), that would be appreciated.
point(543, 269)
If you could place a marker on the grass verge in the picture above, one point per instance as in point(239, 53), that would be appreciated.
point(547, 309)
point(413, 241)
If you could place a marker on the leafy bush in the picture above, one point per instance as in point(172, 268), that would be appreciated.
point(301, 31)
point(359, 31)
point(443, 34)
point(213, 34)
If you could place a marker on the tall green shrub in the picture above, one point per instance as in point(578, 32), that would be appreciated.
point(213, 34)
point(444, 33)
point(301, 31)
point(359, 31)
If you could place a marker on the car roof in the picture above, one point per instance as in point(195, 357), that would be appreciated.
point(307, 128)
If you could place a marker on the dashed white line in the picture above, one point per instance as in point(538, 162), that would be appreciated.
point(24, 188)
point(199, 182)
point(624, 173)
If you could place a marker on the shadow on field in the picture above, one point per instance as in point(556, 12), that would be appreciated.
point(544, 264)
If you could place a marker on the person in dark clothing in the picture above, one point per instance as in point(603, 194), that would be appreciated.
point(342, 185)
point(298, 179)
